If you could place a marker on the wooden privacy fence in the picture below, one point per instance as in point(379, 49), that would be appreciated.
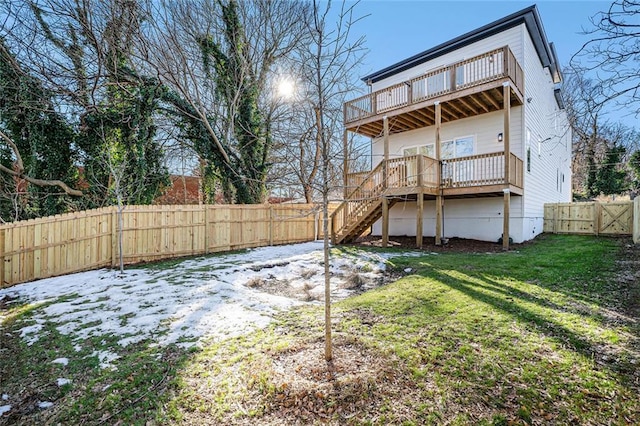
point(611, 218)
point(80, 241)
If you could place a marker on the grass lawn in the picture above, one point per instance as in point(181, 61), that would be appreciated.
point(546, 334)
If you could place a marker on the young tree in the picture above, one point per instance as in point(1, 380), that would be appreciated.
point(634, 166)
point(611, 176)
point(328, 62)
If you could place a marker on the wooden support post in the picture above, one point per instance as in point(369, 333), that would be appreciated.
point(506, 93)
point(420, 202)
point(333, 229)
point(2, 250)
point(420, 208)
point(385, 124)
point(345, 163)
point(505, 223)
point(385, 221)
point(438, 176)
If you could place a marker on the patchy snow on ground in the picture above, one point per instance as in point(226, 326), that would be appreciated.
point(4, 409)
point(62, 381)
point(211, 297)
point(61, 361)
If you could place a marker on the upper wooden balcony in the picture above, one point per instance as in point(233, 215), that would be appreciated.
point(464, 89)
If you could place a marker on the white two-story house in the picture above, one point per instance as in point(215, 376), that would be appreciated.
point(469, 139)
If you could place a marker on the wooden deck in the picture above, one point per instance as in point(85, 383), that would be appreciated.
point(464, 89)
point(417, 176)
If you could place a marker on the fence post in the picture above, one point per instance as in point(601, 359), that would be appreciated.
point(114, 237)
point(597, 220)
point(270, 225)
point(2, 258)
point(556, 219)
point(636, 220)
point(206, 229)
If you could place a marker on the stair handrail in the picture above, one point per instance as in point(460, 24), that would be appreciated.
point(367, 178)
point(376, 191)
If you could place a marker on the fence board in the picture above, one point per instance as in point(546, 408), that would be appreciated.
point(593, 218)
point(79, 241)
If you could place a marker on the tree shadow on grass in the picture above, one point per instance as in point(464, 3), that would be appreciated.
point(510, 301)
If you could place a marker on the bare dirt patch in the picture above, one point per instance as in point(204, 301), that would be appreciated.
point(453, 245)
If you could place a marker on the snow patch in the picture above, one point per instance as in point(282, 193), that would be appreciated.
point(105, 358)
point(4, 409)
point(45, 404)
point(61, 361)
point(62, 382)
point(198, 299)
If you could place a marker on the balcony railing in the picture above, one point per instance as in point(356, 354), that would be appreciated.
point(422, 171)
point(481, 170)
point(405, 175)
point(494, 65)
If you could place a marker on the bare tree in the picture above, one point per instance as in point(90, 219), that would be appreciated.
point(614, 54)
point(218, 67)
point(83, 52)
point(593, 133)
point(333, 51)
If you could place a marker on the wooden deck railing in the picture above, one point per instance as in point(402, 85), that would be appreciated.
point(490, 66)
point(360, 199)
point(421, 171)
point(479, 170)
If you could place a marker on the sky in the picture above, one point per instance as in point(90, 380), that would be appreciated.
point(396, 30)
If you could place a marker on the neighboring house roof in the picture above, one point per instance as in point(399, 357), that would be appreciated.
point(529, 16)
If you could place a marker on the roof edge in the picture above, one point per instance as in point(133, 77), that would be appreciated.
point(529, 16)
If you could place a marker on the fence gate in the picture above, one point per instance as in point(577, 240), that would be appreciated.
point(615, 218)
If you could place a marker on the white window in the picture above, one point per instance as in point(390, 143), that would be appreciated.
point(461, 147)
point(412, 170)
point(428, 150)
point(459, 171)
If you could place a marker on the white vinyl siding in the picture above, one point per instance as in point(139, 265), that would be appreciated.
point(484, 128)
point(511, 37)
point(548, 141)
point(477, 219)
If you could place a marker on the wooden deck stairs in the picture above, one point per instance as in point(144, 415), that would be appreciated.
point(361, 209)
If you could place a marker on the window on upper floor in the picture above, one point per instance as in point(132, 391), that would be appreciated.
point(428, 150)
point(460, 147)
